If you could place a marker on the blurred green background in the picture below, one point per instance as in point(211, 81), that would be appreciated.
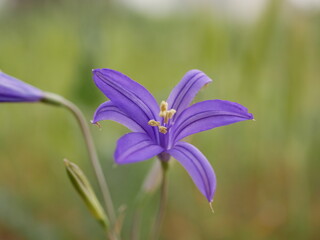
point(267, 171)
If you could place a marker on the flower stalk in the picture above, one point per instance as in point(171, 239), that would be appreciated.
point(163, 202)
point(150, 184)
point(55, 99)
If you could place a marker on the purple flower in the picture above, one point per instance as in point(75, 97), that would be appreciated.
point(157, 130)
point(14, 90)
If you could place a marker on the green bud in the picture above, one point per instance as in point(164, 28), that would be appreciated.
point(83, 187)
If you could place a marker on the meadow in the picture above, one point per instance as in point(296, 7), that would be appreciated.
point(267, 170)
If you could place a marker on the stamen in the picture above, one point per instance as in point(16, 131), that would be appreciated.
point(163, 129)
point(165, 113)
point(170, 113)
point(154, 123)
point(166, 119)
point(163, 109)
point(163, 106)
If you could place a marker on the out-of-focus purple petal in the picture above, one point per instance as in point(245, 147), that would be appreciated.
point(206, 115)
point(182, 95)
point(130, 97)
point(108, 111)
point(197, 166)
point(14, 90)
point(135, 147)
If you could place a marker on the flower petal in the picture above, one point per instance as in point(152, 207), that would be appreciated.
point(197, 166)
point(14, 90)
point(206, 115)
point(108, 111)
point(135, 147)
point(129, 96)
point(182, 95)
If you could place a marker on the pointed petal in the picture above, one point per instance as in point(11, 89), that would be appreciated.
point(14, 90)
point(135, 147)
point(206, 115)
point(197, 166)
point(182, 95)
point(108, 111)
point(129, 96)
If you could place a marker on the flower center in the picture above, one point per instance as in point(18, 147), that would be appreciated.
point(166, 115)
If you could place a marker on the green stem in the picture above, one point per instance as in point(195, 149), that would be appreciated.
point(163, 201)
point(150, 184)
point(60, 101)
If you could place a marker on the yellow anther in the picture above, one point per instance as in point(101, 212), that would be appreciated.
point(163, 106)
point(153, 123)
point(162, 114)
point(165, 113)
point(170, 113)
point(162, 129)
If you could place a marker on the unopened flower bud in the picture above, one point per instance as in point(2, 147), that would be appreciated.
point(14, 90)
point(83, 187)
